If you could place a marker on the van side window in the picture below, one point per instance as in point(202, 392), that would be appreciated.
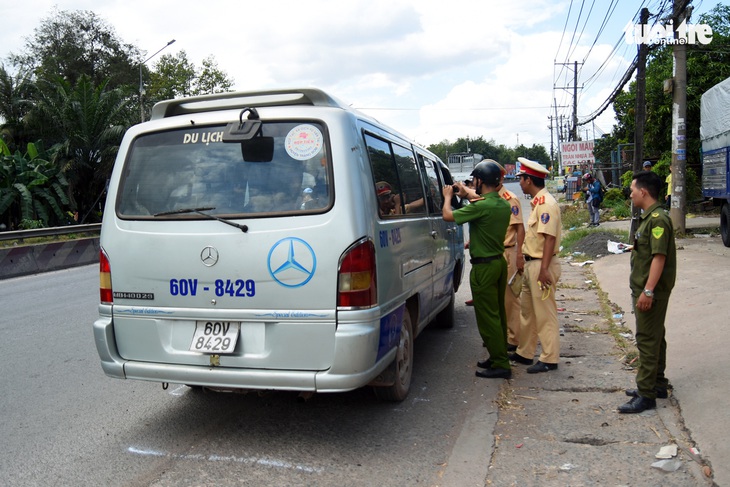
point(397, 180)
point(433, 184)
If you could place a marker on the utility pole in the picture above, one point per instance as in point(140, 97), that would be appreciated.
point(639, 114)
point(552, 147)
point(573, 132)
point(575, 100)
point(679, 126)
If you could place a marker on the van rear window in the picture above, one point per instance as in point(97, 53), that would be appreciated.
point(193, 168)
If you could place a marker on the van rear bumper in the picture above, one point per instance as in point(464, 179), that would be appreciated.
point(354, 365)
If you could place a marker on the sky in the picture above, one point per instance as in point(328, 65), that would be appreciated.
point(433, 70)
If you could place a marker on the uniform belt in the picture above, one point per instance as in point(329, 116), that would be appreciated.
point(508, 246)
point(484, 260)
point(529, 257)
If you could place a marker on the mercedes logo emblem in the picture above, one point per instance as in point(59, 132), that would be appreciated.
point(209, 256)
point(292, 262)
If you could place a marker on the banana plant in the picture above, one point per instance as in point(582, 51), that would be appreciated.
point(32, 188)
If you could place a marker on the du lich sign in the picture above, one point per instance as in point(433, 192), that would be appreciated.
point(577, 152)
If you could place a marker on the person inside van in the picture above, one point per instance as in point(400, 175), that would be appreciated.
point(389, 203)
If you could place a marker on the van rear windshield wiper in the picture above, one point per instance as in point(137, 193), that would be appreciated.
point(199, 211)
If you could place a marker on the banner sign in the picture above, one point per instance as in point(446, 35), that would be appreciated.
point(577, 152)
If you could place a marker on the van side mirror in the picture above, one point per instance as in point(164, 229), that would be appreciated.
point(254, 146)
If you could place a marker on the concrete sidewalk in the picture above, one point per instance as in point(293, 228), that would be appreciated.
point(695, 223)
point(561, 427)
point(697, 338)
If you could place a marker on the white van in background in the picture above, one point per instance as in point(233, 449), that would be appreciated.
point(272, 240)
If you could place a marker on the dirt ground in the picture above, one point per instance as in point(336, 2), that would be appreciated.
point(595, 244)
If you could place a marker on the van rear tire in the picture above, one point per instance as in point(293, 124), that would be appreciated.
point(403, 365)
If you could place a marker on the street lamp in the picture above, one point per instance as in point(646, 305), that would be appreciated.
point(141, 89)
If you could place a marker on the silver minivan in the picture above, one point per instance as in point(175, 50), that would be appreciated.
point(273, 240)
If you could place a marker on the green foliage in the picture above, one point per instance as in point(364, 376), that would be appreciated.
point(27, 224)
point(71, 44)
point(210, 79)
point(32, 188)
point(621, 209)
point(175, 76)
point(707, 65)
point(88, 123)
point(574, 216)
point(490, 150)
point(569, 239)
point(612, 196)
point(626, 179)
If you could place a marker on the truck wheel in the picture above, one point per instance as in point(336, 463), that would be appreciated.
point(403, 365)
point(724, 222)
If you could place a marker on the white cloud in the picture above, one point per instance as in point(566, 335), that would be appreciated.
point(434, 70)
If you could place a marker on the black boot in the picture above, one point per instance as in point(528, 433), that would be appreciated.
point(636, 405)
point(661, 393)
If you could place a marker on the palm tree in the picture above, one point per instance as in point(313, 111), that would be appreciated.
point(16, 94)
point(88, 123)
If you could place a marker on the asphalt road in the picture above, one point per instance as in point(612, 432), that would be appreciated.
point(65, 423)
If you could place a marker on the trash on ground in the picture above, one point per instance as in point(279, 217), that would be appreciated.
point(617, 247)
point(667, 465)
point(581, 264)
point(566, 467)
point(618, 316)
point(667, 451)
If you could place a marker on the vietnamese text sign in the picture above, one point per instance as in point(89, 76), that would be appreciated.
point(577, 152)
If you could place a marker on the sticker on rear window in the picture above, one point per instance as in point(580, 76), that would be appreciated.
point(303, 142)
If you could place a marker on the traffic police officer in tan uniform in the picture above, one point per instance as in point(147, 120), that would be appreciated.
point(488, 216)
point(539, 313)
point(653, 272)
point(513, 241)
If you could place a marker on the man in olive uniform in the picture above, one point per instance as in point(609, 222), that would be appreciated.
point(513, 242)
point(539, 312)
point(653, 272)
point(488, 216)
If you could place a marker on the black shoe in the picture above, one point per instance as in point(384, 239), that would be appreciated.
point(515, 357)
point(511, 348)
point(485, 364)
point(637, 405)
point(541, 367)
point(495, 373)
point(661, 392)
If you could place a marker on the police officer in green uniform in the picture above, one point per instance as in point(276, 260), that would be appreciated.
point(488, 216)
point(653, 272)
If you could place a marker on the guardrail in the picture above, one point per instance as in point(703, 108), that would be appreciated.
point(50, 232)
point(20, 259)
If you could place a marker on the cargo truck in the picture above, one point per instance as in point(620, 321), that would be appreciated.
point(715, 137)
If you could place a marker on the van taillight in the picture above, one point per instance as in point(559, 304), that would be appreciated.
point(356, 279)
point(105, 279)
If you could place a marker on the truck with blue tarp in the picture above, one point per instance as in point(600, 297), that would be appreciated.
point(715, 137)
